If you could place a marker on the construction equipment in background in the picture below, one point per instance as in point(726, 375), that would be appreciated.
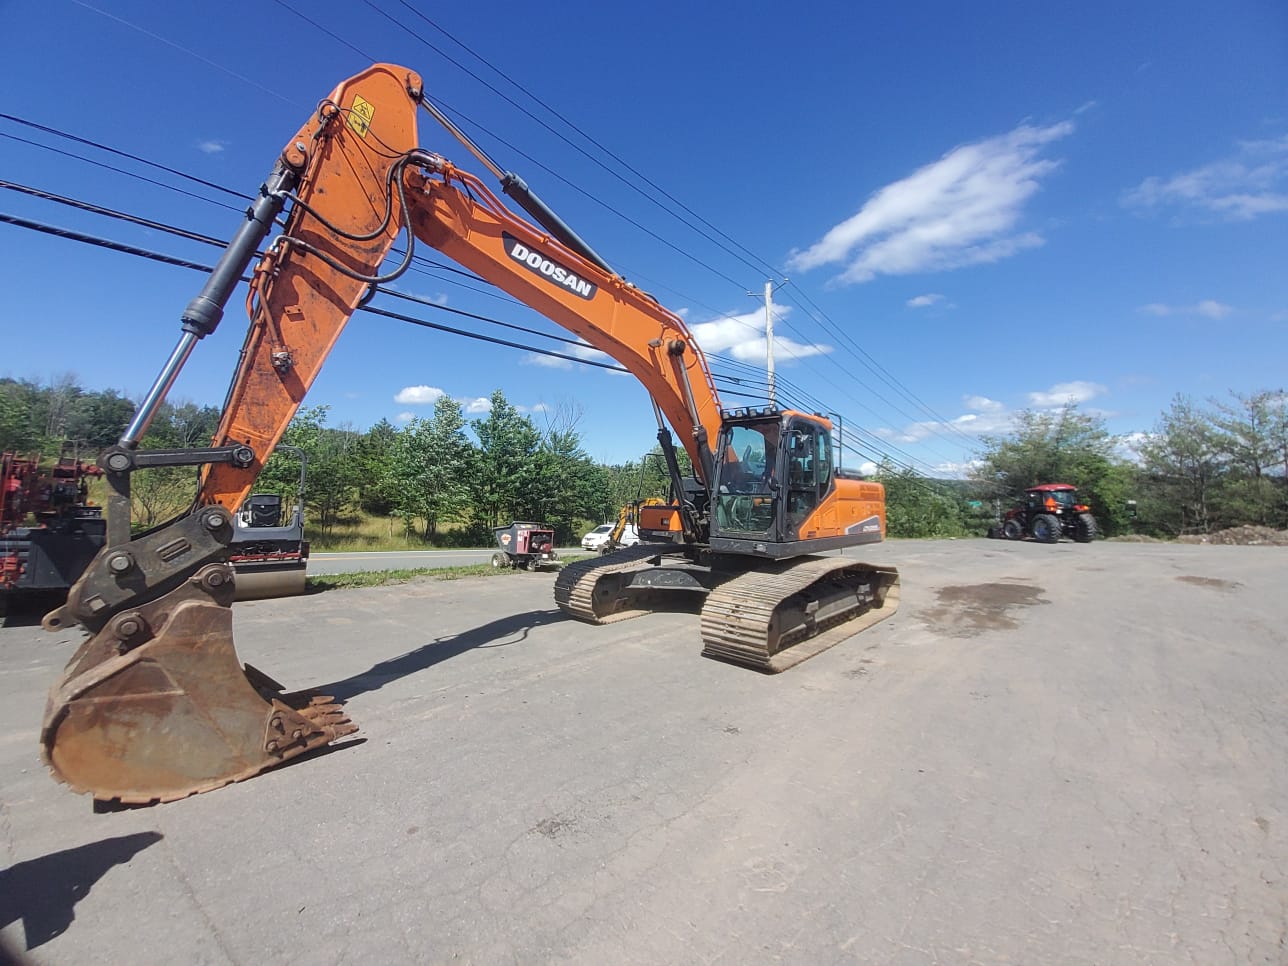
point(1049, 511)
point(155, 706)
point(625, 532)
point(527, 545)
point(49, 531)
point(269, 552)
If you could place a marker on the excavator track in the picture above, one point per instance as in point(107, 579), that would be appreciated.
point(594, 590)
point(773, 618)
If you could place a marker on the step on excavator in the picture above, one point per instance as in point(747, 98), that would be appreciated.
point(155, 705)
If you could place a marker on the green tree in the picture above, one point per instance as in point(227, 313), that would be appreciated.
point(376, 493)
point(431, 463)
point(334, 471)
point(158, 494)
point(917, 507)
point(98, 418)
point(504, 485)
point(15, 417)
point(1247, 432)
point(569, 484)
point(1182, 466)
point(1064, 446)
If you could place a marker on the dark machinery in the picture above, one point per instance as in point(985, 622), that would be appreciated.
point(49, 531)
point(1049, 511)
point(269, 553)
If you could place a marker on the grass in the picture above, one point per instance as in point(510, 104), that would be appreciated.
point(379, 578)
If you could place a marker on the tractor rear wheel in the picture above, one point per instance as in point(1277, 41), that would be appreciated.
point(500, 560)
point(1085, 529)
point(1046, 528)
point(1012, 530)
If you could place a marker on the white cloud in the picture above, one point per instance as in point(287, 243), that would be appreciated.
point(743, 337)
point(545, 362)
point(581, 350)
point(439, 298)
point(1208, 308)
point(1128, 447)
point(405, 417)
point(1212, 309)
point(418, 395)
point(987, 416)
point(212, 147)
point(960, 210)
point(1066, 392)
point(983, 404)
point(1253, 181)
point(925, 301)
point(954, 471)
point(481, 404)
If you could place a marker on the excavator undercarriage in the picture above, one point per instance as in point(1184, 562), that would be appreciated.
point(763, 615)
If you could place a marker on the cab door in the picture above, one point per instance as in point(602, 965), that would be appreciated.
point(808, 471)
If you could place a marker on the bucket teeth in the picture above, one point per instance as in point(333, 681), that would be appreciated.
point(172, 712)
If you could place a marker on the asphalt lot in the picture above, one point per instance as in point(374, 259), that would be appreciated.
point(1070, 754)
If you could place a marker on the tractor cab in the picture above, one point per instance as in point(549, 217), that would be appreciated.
point(1052, 498)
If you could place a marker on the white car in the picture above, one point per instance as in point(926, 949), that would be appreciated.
point(597, 537)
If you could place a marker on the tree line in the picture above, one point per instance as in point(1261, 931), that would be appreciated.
point(1203, 467)
point(448, 480)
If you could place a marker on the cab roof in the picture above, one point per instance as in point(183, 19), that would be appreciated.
point(1050, 488)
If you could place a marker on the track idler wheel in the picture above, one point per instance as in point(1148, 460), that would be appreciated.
point(156, 706)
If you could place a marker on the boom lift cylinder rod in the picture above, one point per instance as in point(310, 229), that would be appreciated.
point(204, 312)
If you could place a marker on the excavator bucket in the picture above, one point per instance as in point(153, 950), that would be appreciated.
point(155, 706)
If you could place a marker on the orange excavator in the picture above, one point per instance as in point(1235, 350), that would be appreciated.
point(155, 705)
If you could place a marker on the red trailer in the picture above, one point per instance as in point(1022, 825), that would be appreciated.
point(526, 545)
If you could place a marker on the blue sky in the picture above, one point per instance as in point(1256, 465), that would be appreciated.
point(979, 208)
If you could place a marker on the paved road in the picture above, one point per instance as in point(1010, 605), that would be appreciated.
point(1050, 755)
point(348, 563)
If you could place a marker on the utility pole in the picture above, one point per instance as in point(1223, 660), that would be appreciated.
point(769, 337)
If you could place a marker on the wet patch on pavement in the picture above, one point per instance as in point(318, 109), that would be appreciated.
point(971, 609)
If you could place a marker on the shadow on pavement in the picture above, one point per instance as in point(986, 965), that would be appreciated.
point(43, 892)
point(498, 633)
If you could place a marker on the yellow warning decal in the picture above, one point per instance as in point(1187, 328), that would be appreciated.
point(359, 120)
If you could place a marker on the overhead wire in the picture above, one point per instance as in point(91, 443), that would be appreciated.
point(865, 357)
point(856, 441)
point(123, 248)
point(314, 23)
point(576, 147)
point(869, 362)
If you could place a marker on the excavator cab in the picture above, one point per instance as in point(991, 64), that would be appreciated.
point(776, 475)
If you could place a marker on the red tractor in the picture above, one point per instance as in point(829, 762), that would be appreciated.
point(1048, 512)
